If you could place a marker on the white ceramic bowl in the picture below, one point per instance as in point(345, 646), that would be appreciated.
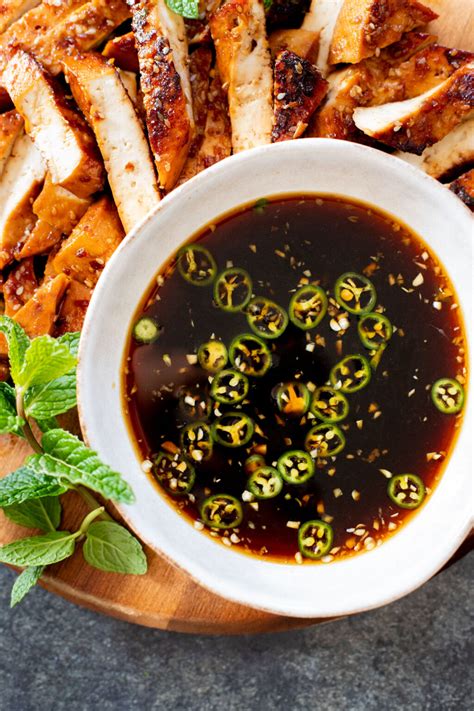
point(428, 540)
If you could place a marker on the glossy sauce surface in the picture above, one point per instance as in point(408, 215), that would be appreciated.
point(392, 427)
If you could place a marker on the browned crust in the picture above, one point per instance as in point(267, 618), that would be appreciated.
point(197, 31)
point(217, 141)
point(298, 90)
point(58, 207)
point(463, 187)
point(40, 240)
point(169, 129)
point(73, 308)
point(123, 51)
point(19, 286)
point(305, 43)
point(365, 26)
point(38, 315)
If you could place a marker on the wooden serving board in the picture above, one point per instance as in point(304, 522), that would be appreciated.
point(166, 597)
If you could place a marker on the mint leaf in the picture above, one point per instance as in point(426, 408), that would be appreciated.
point(18, 343)
point(39, 550)
point(71, 340)
point(67, 458)
point(109, 546)
point(45, 359)
point(47, 423)
point(185, 8)
point(44, 513)
point(24, 582)
point(267, 4)
point(9, 420)
point(28, 483)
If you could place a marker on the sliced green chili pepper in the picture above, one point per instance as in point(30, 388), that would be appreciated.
point(351, 374)
point(196, 441)
point(308, 306)
point(355, 293)
point(406, 491)
point(374, 330)
point(329, 405)
point(222, 511)
point(194, 403)
point(250, 355)
point(146, 330)
point(174, 473)
point(229, 387)
point(265, 483)
point(254, 462)
point(295, 466)
point(212, 356)
point(448, 396)
point(292, 398)
point(315, 539)
point(233, 289)
point(197, 265)
point(233, 429)
point(325, 440)
point(266, 318)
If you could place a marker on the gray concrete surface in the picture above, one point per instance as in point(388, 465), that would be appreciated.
point(414, 654)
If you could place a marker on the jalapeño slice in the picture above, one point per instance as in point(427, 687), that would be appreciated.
point(308, 306)
point(145, 330)
point(329, 405)
point(233, 289)
point(406, 491)
point(315, 539)
point(295, 466)
point(250, 355)
point(233, 429)
point(254, 462)
point(448, 396)
point(196, 441)
point(265, 483)
point(194, 403)
point(351, 374)
point(212, 355)
point(222, 511)
point(266, 318)
point(355, 293)
point(292, 398)
point(229, 387)
point(197, 265)
point(374, 330)
point(174, 473)
point(325, 440)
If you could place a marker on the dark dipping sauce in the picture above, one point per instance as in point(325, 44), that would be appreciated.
point(392, 427)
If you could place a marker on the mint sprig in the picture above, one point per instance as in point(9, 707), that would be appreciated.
point(185, 8)
point(43, 371)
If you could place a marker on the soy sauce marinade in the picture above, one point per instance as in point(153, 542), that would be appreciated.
point(392, 427)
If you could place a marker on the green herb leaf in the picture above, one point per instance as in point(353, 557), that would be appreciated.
point(109, 546)
point(28, 483)
point(18, 343)
point(47, 423)
point(71, 340)
point(24, 582)
point(185, 8)
point(44, 513)
point(45, 359)
point(267, 4)
point(68, 458)
point(39, 550)
point(9, 420)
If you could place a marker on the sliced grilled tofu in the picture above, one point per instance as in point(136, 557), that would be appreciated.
point(299, 88)
point(417, 123)
point(73, 308)
point(40, 240)
point(57, 128)
point(123, 51)
point(365, 26)
point(322, 18)
point(84, 254)
point(451, 153)
point(130, 82)
point(160, 37)
point(463, 187)
point(304, 43)
point(217, 141)
point(244, 63)
point(39, 313)
point(11, 126)
point(19, 286)
point(101, 96)
point(12, 10)
point(59, 207)
point(19, 185)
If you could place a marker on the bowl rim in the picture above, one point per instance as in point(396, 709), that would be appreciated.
point(221, 586)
